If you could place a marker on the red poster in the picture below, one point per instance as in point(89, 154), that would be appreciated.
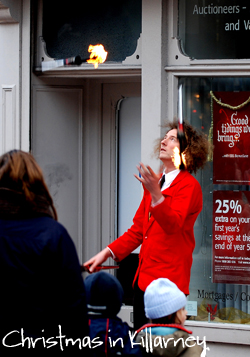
point(231, 237)
point(231, 138)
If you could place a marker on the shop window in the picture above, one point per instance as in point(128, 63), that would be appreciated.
point(220, 278)
point(69, 30)
point(128, 155)
point(214, 30)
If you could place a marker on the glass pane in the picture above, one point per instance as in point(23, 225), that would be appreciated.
point(69, 30)
point(129, 154)
point(216, 302)
point(214, 30)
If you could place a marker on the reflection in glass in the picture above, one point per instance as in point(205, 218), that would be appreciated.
point(227, 303)
point(69, 31)
point(214, 30)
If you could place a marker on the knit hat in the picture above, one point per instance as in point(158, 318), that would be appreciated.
point(162, 298)
point(104, 294)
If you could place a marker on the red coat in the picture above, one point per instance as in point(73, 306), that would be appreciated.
point(167, 237)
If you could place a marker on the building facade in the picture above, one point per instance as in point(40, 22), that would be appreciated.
point(89, 127)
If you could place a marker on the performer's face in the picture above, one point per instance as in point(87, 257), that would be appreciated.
point(168, 144)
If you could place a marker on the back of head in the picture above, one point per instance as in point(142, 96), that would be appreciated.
point(104, 294)
point(22, 178)
point(163, 298)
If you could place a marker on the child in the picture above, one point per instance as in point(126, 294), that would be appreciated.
point(110, 336)
point(165, 335)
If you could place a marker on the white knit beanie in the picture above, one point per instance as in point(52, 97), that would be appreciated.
point(162, 298)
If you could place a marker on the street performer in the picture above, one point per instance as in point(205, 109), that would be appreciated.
point(163, 224)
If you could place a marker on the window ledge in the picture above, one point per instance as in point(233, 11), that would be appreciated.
point(234, 334)
point(215, 67)
point(88, 70)
point(220, 332)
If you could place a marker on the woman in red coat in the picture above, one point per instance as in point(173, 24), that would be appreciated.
point(163, 224)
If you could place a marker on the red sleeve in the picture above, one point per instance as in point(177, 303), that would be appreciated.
point(132, 238)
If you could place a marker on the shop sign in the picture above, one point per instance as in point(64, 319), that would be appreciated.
point(231, 137)
point(231, 237)
point(214, 30)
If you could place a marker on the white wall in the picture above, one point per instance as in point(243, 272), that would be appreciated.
point(10, 86)
point(14, 74)
point(153, 78)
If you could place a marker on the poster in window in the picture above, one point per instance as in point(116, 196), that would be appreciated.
point(231, 137)
point(231, 237)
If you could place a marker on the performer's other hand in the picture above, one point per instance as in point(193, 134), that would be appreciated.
point(97, 260)
point(150, 180)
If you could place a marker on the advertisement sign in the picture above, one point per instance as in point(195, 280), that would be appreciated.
point(231, 237)
point(231, 138)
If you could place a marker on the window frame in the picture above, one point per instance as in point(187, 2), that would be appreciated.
point(208, 329)
point(178, 66)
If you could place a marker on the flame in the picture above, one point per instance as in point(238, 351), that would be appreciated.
point(177, 158)
point(97, 55)
point(183, 158)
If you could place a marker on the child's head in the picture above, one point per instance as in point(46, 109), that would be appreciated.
point(104, 294)
point(164, 302)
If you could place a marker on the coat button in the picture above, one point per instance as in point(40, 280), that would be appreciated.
point(146, 237)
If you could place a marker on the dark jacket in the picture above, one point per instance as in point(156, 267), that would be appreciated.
point(167, 341)
point(110, 336)
point(113, 336)
point(41, 284)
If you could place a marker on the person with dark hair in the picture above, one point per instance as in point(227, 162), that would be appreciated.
point(110, 335)
point(165, 309)
point(42, 290)
point(164, 222)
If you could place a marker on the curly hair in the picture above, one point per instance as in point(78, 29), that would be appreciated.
point(20, 172)
point(196, 147)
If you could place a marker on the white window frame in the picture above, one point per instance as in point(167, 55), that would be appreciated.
point(179, 66)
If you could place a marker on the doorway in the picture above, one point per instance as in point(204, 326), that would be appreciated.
point(74, 139)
